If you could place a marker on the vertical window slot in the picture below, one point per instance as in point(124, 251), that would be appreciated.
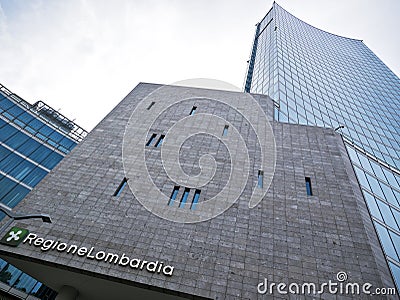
point(160, 141)
point(173, 195)
point(184, 197)
point(276, 113)
point(121, 187)
point(150, 141)
point(193, 110)
point(151, 105)
point(195, 199)
point(260, 178)
point(225, 131)
point(308, 186)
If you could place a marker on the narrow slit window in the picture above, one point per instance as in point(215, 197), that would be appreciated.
point(308, 186)
point(173, 196)
point(184, 197)
point(121, 187)
point(160, 141)
point(195, 199)
point(151, 105)
point(276, 113)
point(150, 141)
point(260, 178)
point(193, 110)
point(225, 132)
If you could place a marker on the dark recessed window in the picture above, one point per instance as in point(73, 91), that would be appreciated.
point(150, 141)
point(173, 195)
point(151, 105)
point(195, 199)
point(225, 131)
point(193, 110)
point(308, 186)
point(120, 188)
point(260, 178)
point(160, 141)
point(184, 197)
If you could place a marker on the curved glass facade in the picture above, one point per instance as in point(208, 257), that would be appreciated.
point(318, 78)
point(33, 140)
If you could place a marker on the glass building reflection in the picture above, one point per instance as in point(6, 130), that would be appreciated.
point(319, 78)
point(33, 140)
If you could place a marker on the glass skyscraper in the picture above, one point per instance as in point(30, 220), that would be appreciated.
point(33, 140)
point(319, 78)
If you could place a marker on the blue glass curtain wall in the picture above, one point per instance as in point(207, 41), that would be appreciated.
point(319, 78)
point(29, 149)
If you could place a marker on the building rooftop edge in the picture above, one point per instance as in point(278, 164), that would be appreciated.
point(341, 36)
point(49, 115)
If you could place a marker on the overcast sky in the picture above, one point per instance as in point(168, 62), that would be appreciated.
point(83, 56)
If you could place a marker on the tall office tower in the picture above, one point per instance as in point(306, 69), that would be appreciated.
point(33, 140)
point(319, 78)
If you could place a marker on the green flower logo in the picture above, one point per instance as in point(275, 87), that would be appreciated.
point(14, 236)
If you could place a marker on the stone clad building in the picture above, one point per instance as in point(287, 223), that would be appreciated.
point(111, 239)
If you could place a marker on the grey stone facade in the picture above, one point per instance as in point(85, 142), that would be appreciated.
point(288, 237)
